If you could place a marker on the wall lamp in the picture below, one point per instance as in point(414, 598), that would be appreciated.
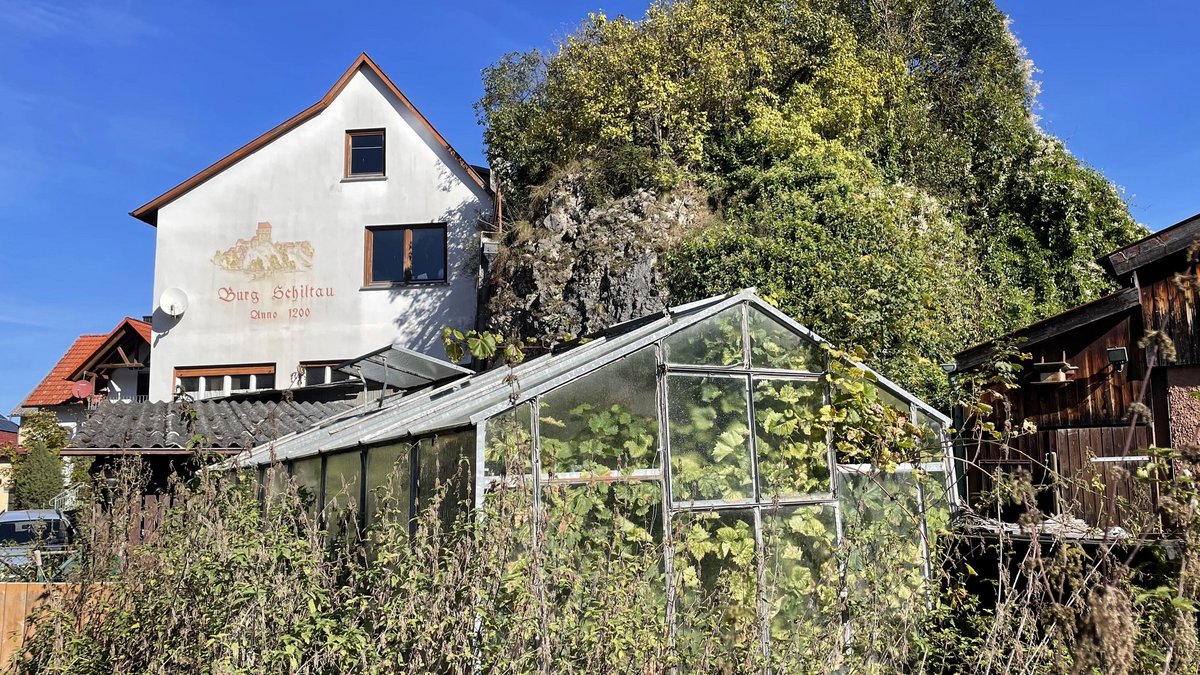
point(1118, 357)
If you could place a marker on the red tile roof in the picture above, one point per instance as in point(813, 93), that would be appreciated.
point(142, 328)
point(103, 350)
point(55, 389)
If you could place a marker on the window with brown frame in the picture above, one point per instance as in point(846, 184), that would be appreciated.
point(404, 254)
point(365, 153)
point(208, 381)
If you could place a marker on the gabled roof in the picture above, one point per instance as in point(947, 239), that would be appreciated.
point(148, 212)
point(472, 399)
point(55, 388)
point(8, 426)
point(1077, 317)
point(226, 424)
point(128, 330)
point(1151, 248)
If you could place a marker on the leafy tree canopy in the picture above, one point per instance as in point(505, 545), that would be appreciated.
point(42, 428)
point(878, 166)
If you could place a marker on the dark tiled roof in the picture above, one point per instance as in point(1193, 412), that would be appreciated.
point(8, 425)
point(225, 423)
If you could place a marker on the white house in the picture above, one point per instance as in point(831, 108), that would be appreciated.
point(350, 227)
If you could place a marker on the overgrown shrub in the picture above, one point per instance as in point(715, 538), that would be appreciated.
point(240, 577)
point(37, 478)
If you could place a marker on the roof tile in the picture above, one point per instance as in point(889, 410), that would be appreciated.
point(55, 389)
point(225, 423)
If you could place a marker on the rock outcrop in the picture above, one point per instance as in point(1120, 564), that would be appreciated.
point(576, 270)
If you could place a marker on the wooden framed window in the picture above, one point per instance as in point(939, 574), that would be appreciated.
point(365, 153)
point(404, 254)
point(209, 381)
point(322, 372)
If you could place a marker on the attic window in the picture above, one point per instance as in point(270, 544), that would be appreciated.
point(364, 153)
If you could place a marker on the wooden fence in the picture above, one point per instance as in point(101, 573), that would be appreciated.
point(17, 602)
point(19, 599)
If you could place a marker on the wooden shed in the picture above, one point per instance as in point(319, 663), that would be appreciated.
point(1088, 368)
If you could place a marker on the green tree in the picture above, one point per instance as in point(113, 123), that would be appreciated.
point(37, 478)
point(877, 167)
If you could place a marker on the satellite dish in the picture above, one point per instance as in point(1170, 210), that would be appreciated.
point(81, 389)
point(173, 301)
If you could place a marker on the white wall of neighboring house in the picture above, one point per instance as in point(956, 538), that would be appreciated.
point(122, 382)
point(297, 184)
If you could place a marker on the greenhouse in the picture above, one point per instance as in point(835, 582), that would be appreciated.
point(770, 468)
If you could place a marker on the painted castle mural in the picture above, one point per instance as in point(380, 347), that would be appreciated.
point(260, 256)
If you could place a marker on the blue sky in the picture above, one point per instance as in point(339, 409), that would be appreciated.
point(104, 105)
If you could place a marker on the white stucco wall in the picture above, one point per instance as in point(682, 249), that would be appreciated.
point(296, 183)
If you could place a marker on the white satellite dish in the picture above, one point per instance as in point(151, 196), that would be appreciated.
point(173, 301)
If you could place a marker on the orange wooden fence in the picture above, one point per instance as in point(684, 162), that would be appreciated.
point(17, 601)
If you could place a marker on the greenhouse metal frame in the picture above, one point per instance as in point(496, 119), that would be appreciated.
point(474, 404)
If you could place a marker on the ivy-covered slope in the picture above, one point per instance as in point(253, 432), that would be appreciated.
point(875, 168)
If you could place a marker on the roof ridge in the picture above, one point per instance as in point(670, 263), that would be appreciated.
point(148, 212)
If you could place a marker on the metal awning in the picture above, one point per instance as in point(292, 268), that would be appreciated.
point(401, 368)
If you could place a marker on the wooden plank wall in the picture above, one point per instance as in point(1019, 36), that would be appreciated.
point(1101, 493)
point(1096, 394)
point(17, 602)
point(154, 511)
point(1167, 307)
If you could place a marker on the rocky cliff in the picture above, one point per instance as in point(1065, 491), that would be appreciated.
point(574, 269)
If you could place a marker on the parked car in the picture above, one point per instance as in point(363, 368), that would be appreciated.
point(31, 541)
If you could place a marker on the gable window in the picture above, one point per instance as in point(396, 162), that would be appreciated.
point(404, 254)
point(364, 153)
point(210, 381)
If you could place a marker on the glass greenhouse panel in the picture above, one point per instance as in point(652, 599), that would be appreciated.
point(715, 341)
point(802, 580)
point(937, 504)
point(931, 432)
point(709, 432)
point(615, 519)
point(793, 453)
point(882, 516)
point(306, 474)
point(274, 481)
point(869, 406)
point(444, 475)
point(389, 482)
point(508, 448)
point(716, 586)
point(892, 401)
point(603, 422)
point(343, 473)
point(773, 345)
